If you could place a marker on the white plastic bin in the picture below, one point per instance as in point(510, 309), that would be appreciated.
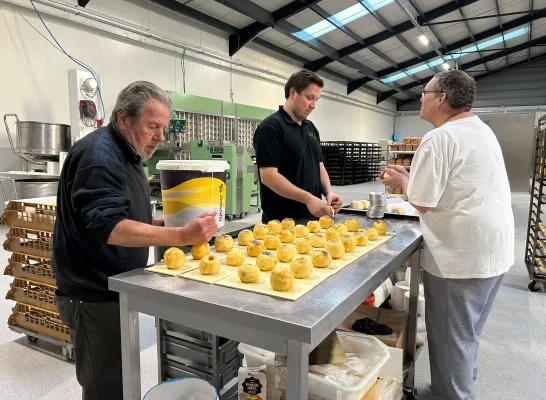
point(371, 351)
point(182, 389)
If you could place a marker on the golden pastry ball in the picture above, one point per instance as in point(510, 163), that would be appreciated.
point(361, 239)
point(335, 248)
point(244, 237)
point(326, 222)
point(199, 251)
point(286, 253)
point(372, 234)
point(381, 226)
point(235, 257)
point(314, 226)
point(223, 243)
point(259, 231)
point(287, 236)
point(321, 258)
point(254, 248)
point(266, 261)
point(352, 224)
point(332, 233)
point(274, 226)
point(301, 231)
point(249, 273)
point(174, 258)
point(341, 228)
point(209, 265)
point(301, 267)
point(303, 245)
point(282, 279)
point(318, 240)
point(288, 223)
point(271, 241)
point(349, 241)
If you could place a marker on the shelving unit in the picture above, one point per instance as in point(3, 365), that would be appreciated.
point(349, 163)
point(535, 249)
point(399, 154)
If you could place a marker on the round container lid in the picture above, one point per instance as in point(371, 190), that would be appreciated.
point(193, 165)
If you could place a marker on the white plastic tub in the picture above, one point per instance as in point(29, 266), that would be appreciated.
point(371, 352)
point(182, 389)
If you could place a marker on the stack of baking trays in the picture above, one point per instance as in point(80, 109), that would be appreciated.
point(30, 240)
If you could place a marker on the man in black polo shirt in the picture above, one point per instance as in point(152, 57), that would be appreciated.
point(104, 227)
point(289, 157)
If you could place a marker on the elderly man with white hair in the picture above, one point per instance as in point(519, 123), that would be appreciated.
point(458, 183)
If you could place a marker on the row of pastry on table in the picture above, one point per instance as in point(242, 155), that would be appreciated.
point(281, 241)
point(391, 208)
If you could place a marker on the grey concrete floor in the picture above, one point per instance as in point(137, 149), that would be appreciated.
point(512, 357)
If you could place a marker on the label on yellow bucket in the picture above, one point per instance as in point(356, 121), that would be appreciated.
point(186, 194)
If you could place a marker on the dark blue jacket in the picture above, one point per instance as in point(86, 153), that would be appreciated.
point(102, 183)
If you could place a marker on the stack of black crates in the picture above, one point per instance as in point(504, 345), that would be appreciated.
point(349, 163)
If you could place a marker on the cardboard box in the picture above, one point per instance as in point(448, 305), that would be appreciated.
point(397, 320)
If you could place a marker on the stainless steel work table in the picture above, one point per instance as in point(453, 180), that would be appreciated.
point(291, 328)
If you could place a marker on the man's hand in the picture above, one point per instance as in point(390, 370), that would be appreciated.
point(396, 178)
point(334, 200)
point(317, 207)
point(158, 222)
point(200, 230)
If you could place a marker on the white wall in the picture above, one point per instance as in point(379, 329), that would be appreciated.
point(33, 74)
point(411, 126)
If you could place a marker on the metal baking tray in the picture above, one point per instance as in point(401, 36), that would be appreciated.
point(390, 201)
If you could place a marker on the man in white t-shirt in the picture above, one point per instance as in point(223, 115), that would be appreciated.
point(458, 183)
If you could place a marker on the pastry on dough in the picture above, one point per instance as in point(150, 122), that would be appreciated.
point(335, 248)
point(255, 247)
point(341, 228)
point(326, 222)
point(381, 226)
point(271, 241)
point(288, 223)
point(301, 231)
point(372, 234)
point(286, 253)
point(209, 265)
point(332, 233)
point(314, 226)
point(398, 210)
point(248, 273)
point(301, 267)
point(349, 241)
point(361, 239)
point(198, 251)
point(287, 236)
point(274, 226)
point(321, 258)
point(282, 279)
point(303, 245)
point(223, 243)
point(259, 231)
point(365, 204)
point(266, 261)
point(245, 236)
point(356, 205)
point(235, 257)
point(318, 240)
point(352, 224)
point(174, 258)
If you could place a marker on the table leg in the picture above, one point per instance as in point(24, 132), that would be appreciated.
point(411, 348)
point(130, 350)
point(298, 369)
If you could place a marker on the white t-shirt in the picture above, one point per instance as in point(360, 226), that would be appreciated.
point(459, 171)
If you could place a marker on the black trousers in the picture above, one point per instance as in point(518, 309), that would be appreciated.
point(96, 337)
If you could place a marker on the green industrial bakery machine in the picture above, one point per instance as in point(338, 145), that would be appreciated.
point(241, 179)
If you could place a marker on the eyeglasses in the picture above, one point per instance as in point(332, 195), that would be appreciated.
point(424, 92)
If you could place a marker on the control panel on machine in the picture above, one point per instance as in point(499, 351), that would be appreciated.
point(83, 95)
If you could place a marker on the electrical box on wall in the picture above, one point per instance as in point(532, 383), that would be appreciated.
point(86, 112)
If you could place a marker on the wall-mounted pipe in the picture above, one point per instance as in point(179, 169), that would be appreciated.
point(199, 51)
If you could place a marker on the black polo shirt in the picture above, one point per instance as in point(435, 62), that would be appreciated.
point(102, 183)
point(295, 151)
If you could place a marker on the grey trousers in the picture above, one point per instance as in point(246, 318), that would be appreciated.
point(96, 337)
point(456, 311)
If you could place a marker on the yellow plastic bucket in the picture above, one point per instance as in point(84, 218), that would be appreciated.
point(192, 187)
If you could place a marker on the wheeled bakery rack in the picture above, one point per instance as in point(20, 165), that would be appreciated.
point(349, 163)
point(535, 249)
point(30, 240)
